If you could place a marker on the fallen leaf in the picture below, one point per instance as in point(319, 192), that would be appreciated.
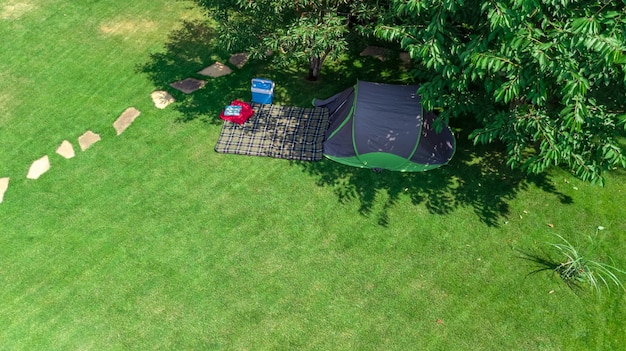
point(439, 321)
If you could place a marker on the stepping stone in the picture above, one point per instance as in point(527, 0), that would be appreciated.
point(216, 70)
point(4, 185)
point(88, 139)
point(125, 119)
point(238, 60)
point(375, 51)
point(188, 85)
point(38, 168)
point(162, 99)
point(66, 149)
point(405, 57)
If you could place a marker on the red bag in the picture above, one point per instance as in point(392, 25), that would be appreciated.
point(245, 113)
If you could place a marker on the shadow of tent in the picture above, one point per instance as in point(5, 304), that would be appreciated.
point(475, 178)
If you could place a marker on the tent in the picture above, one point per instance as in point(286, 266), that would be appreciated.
point(383, 126)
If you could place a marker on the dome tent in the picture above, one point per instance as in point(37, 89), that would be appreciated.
point(375, 125)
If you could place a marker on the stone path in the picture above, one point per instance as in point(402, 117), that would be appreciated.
point(375, 51)
point(4, 185)
point(125, 119)
point(238, 60)
point(86, 140)
point(161, 100)
point(216, 70)
point(405, 57)
point(188, 85)
point(383, 53)
point(66, 149)
point(38, 168)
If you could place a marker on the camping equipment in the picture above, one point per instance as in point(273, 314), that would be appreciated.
point(277, 131)
point(237, 112)
point(262, 90)
point(384, 126)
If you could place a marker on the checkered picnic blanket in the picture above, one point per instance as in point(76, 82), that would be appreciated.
point(287, 132)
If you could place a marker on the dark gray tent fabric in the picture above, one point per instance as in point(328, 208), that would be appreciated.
point(339, 106)
point(398, 131)
point(433, 146)
point(376, 125)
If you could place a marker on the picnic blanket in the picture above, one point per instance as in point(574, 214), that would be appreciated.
point(287, 132)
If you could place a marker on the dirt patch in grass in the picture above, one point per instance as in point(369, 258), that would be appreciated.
point(126, 27)
point(15, 9)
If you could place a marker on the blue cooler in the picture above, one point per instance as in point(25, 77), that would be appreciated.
point(262, 91)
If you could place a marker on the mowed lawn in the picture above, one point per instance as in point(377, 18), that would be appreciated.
point(151, 240)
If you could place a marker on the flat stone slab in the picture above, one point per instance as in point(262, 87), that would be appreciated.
point(405, 57)
point(66, 149)
point(216, 70)
point(238, 60)
point(375, 51)
point(188, 85)
point(4, 185)
point(162, 99)
point(86, 140)
point(38, 168)
point(125, 119)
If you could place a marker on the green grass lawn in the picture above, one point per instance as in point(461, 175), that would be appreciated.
point(151, 240)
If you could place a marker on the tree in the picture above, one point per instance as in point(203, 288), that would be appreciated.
point(541, 76)
point(300, 30)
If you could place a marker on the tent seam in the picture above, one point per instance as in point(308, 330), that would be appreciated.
point(353, 113)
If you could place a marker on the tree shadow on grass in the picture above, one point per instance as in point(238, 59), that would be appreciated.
point(475, 178)
point(194, 46)
point(188, 50)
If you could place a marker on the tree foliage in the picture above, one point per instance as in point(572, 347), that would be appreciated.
point(300, 30)
point(541, 76)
